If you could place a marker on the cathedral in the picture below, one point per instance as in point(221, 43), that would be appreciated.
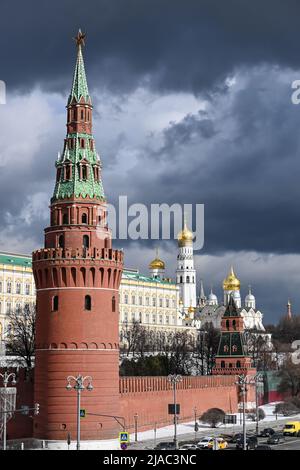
point(211, 310)
point(199, 311)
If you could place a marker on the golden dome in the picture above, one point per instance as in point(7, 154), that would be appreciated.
point(191, 309)
point(157, 263)
point(231, 282)
point(185, 236)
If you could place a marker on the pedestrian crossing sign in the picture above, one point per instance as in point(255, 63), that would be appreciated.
point(82, 413)
point(124, 437)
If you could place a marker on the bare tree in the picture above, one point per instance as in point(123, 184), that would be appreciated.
point(206, 349)
point(289, 374)
point(20, 339)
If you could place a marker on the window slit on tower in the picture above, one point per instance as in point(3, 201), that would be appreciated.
point(55, 303)
point(87, 302)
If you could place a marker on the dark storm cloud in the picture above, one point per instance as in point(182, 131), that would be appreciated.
point(241, 159)
point(171, 45)
point(241, 156)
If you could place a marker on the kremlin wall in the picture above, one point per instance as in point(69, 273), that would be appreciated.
point(148, 397)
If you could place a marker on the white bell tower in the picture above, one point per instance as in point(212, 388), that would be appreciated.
point(185, 273)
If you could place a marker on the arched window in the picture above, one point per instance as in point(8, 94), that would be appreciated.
point(187, 279)
point(87, 302)
point(238, 364)
point(113, 304)
point(65, 219)
point(227, 324)
point(106, 243)
point(84, 172)
point(234, 324)
point(61, 241)
point(82, 115)
point(230, 365)
point(86, 241)
point(180, 279)
point(84, 219)
point(68, 173)
point(222, 364)
point(55, 303)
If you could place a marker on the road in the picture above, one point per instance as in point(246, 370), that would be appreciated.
point(289, 444)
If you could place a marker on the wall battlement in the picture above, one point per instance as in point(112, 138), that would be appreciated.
point(129, 385)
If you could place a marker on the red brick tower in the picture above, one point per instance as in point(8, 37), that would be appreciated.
point(77, 277)
point(232, 356)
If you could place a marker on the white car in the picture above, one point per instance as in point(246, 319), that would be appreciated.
point(205, 442)
point(188, 447)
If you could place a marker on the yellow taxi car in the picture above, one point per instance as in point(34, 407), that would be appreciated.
point(220, 443)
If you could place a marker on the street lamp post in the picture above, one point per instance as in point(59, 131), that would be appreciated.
point(6, 377)
point(258, 380)
point(136, 426)
point(196, 424)
point(79, 387)
point(174, 380)
point(242, 381)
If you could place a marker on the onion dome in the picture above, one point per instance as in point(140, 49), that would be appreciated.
point(249, 297)
point(231, 282)
point(157, 263)
point(185, 236)
point(212, 298)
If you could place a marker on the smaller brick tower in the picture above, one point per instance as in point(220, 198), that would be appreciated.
point(232, 357)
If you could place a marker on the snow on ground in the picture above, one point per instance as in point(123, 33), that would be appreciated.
point(182, 428)
point(186, 428)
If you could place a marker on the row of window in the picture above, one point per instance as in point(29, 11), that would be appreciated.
point(231, 365)
point(87, 305)
point(149, 318)
point(18, 288)
point(83, 172)
point(85, 241)
point(186, 279)
point(75, 114)
point(8, 307)
point(83, 143)
point(139, 301)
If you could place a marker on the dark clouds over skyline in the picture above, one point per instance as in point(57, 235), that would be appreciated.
point(190, 46)
point(192, 105)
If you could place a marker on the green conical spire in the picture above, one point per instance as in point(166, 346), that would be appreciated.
point(79, 148)
point(79, 86)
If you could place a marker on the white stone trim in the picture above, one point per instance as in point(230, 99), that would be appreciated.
point(78, 288)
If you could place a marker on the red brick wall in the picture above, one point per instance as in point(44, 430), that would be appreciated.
point(149, 398)
point(21, 426)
